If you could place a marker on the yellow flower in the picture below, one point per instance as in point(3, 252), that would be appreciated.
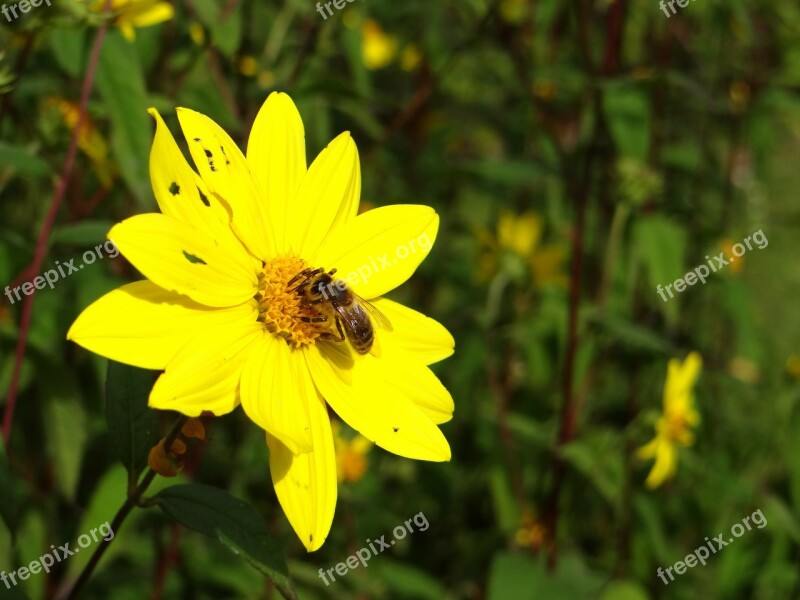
point(521, 236)
point(736, 262)
point(378, 49)
point(351, 455)
point(137, 13)
point(674, 426)
point(229, 313)
point(89, 140)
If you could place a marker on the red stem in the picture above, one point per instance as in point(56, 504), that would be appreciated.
point(47, 227)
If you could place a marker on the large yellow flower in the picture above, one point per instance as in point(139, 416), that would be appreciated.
point(673, 427)
point(220, 313)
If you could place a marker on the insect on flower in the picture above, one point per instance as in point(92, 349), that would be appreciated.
point(240, 304)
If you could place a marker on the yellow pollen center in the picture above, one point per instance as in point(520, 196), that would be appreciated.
point(281, 309)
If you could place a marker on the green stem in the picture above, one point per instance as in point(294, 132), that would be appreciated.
point(133, 500)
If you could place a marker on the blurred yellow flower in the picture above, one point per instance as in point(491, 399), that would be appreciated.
point(514, 11)
point(351, 455)
point(531, 533)
point(248, 66)
point(674, 426)
point(137, 13)
point(90, 141)
point(378, 49)
point(410, 57)
point(736, 265)
point(793, 365)
point(521, 236)
point(197, 33)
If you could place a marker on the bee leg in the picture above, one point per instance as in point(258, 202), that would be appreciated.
point(313, 319)
point(305, 274)
point(331, 272)
point(339, 329)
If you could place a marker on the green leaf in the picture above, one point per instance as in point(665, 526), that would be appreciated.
point(121, 83)
point(233, 523)
point(624, 590)
point(66, 426)
point(83, 233)
point(12, 594)
point(69, 46)
point(659, 245)
point(22, 161)
point(522, 578)
point(12, 492)
point(132, 424)
point(628, 112)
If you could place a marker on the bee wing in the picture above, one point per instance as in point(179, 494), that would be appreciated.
point(349, 318)
point(379, 318)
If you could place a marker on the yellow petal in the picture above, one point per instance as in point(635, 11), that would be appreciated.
point(181, 194)
point(225, 171)
point(182, 259)
point(276, 152)
point(328, 196)
point(417, 382)
point(204, 375)
point(664, 467)
point(306, 483)
point(143, 325)
point(127, 31)
point(380, 249)
point(144, 14)
point(427, 340)
point(355, 387)
point(276, 388)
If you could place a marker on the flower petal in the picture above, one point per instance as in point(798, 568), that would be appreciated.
point(182, 259)
point(427, 340)
point(355, 387)
point(418, 383)
point(380, 249)
point(181, 193)
point(276, 387)
point(328, 196)
point(276, 152)
point(143, 325)
point(306, 483)
point(204, 375)
point(226, 172)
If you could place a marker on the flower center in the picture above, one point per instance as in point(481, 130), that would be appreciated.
point(284, 311)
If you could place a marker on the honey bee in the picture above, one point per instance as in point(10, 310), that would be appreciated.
point(336, 302)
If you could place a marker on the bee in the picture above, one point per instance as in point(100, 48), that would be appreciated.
point(333, 298)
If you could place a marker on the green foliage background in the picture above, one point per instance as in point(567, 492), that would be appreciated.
point(676, 133)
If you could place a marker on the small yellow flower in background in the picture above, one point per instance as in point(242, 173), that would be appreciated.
point(793, 365)
point(377, 49)
point(736, 262)
point(197, 33)
point(248, 66)
point(514, 11)
point(91, 143)
point(521, 235)
point(410, 58)
point(532, 533)
point(351, 455)
point(131, 14)
point(265, 79)
point(673, 428)
point(234, 308)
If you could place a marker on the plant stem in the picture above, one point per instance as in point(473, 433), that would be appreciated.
point(133, 500)
point(47, 226)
